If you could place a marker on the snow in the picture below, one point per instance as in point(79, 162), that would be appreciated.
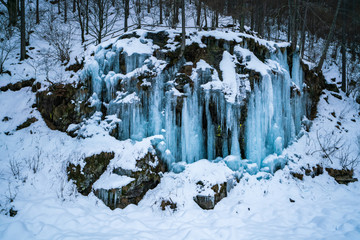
point(257, 207)
point(109, 181)
point(252, 62)
point(230, 80)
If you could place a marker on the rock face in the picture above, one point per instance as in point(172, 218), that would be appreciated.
point(148, 177)
point(342, 176)
point(208, 202)
point(27, 123)
point(94, 167)
point(62, 105)
point(19, 85)
point(229, 95)
point(315, 82)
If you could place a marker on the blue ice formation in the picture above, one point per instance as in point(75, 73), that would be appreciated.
point(244, 107)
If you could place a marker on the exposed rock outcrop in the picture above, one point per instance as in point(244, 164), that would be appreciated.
point(146, 178)
point(62, 105)
point(84, 177)
point(18, 85)
point(209, 201)
point(342, 176)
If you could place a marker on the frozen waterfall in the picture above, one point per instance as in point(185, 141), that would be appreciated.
point(243, 106)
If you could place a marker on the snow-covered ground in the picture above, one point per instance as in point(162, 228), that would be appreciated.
point(33, 182)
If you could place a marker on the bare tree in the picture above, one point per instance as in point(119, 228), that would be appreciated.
point(183, 40)
point(329, 37)
point(37, 12)
point(7, 44)
point(102, 17)
point(303, 35)
point(59, 38)
point(138, 13)
point(161, 9)
point(81, 16)
point(22, 32)
point(126, 14)
point(65, 11)
point(11, 6)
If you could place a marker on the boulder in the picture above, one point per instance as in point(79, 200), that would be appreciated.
point(209, 201)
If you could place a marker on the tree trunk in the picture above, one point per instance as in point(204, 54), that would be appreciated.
point(303, 35)
point(217, 19)
point(65, 11)
point(22, 30)
point(37, 12)
point(252, 16)
point(126, 15)
point(205, 18)
point(74, 6)
point(161, 17)
point(138, 13)
point(242, 15)
point(12, 11)
point(198, 14)
point(81, 22)
point(329, 37)
point(289, 21)
point(183, 39)
point(294, 34)
point(343, 51)
point(176, 11)
point(87, 17)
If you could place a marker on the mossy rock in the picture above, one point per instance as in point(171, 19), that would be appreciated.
point(129, 35)
point(18, 85)
point(27, 123)
point(168, 203)
point(76, 66)
point(57, 105)
point(259, 50)
point(85, 177)
point(146, 178)
point(342, 176)
point(315, 82)
point(207, 202)
point(159, 38)
point(181, 80)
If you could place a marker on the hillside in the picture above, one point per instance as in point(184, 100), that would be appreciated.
point(234, 136)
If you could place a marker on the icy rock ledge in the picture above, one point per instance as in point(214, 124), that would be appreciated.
point(131, 185)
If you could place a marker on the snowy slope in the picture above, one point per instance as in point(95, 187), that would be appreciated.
point(258, 207)
point(33, 179)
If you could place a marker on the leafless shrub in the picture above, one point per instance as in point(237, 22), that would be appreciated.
point(7, 43)
point(333, 147)
point(15, 168)
point(329, 144)
point(63, 181)
point(12, 192)
point(34, 163)
point(60, 38)
point(46, 63)
point(347, 161)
